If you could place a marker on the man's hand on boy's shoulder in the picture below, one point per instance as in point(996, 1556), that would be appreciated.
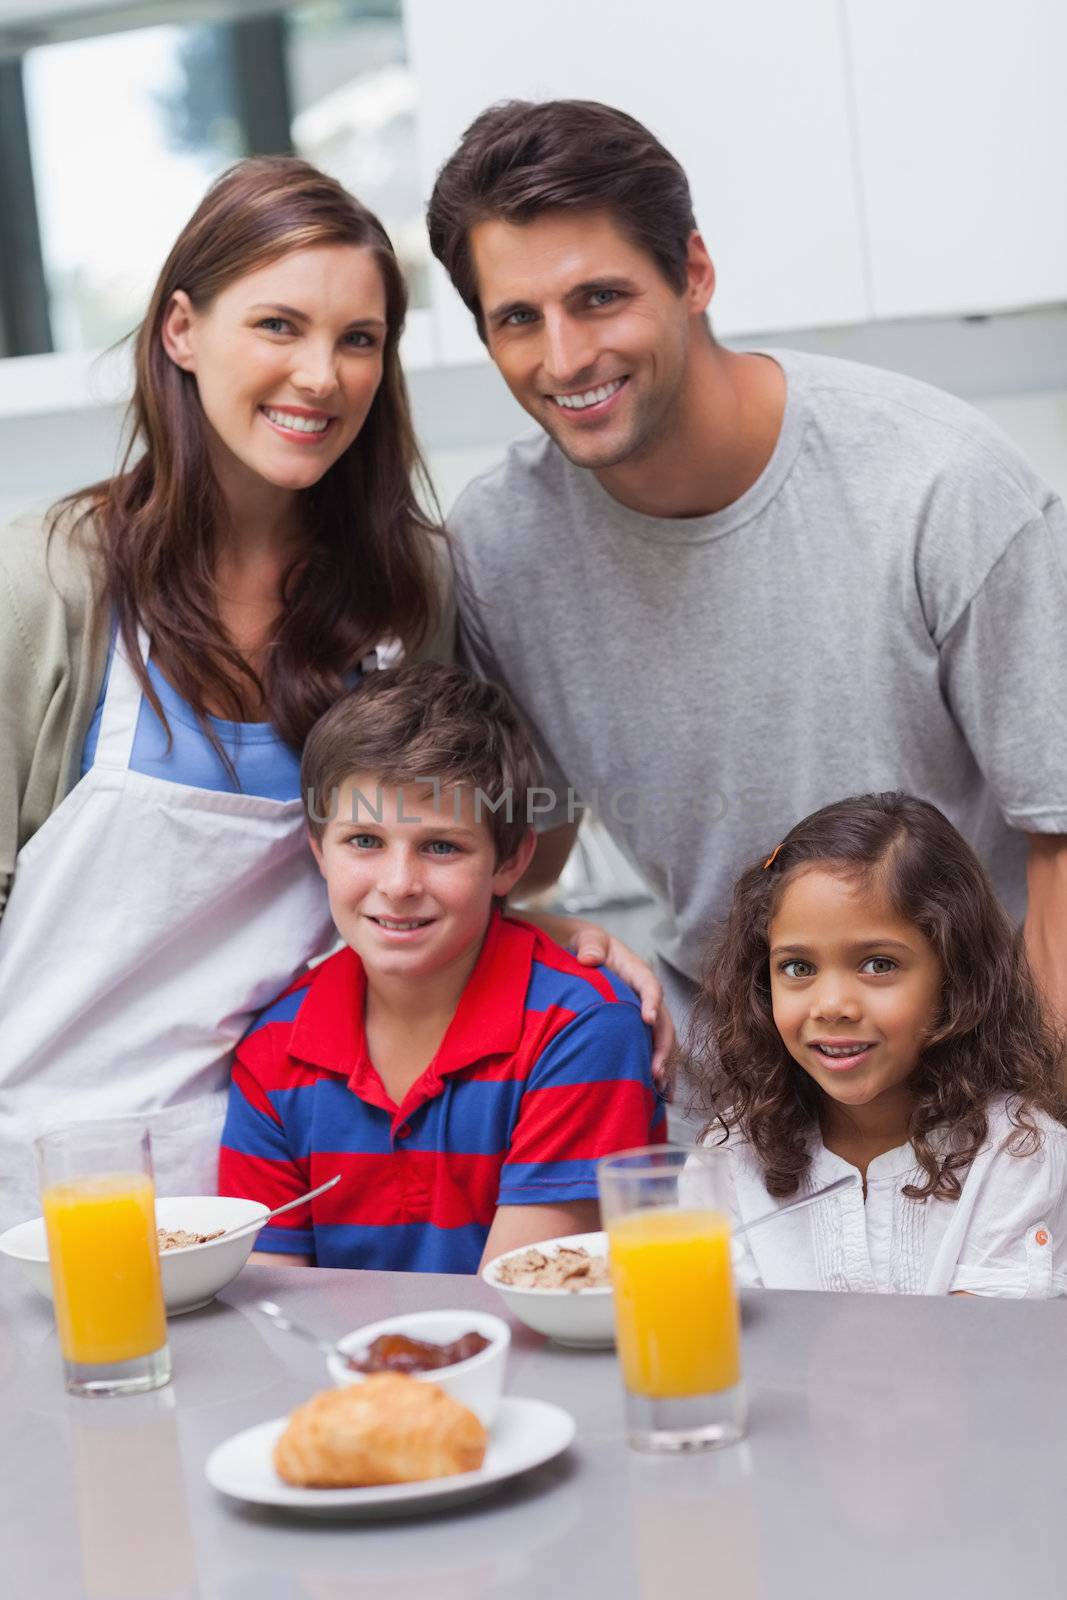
point(595, 947)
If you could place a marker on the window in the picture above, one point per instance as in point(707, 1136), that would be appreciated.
point(126, 129)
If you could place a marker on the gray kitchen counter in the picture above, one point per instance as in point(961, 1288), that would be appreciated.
point(898, 1447)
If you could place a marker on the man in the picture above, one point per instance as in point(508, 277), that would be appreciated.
point(727, 588)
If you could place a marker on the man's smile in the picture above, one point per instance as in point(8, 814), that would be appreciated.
point(589, 399)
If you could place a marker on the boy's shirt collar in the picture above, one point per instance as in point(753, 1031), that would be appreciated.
point(328, 1031)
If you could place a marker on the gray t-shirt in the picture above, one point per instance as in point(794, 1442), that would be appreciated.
point(885, 608)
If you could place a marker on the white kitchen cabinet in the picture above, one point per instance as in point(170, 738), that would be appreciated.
point(961, 125)
point(751, 97)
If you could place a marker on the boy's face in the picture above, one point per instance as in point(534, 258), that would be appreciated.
point(411, 875)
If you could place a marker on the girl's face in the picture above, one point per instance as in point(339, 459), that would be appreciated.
point(855, 989)
point(287, 361)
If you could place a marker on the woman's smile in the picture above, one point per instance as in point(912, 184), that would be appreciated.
point(298, 424)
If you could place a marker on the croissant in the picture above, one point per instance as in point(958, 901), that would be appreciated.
point(388, 1429)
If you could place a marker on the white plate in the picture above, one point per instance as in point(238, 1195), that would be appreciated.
point(526, 1434)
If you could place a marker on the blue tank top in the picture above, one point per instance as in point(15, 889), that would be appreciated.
point(264, 764)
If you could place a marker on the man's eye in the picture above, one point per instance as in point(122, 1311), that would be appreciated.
point(519, 319)
point(603, 297)
point(880, 965)
point(790, 969)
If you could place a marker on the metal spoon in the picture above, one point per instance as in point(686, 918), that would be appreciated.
point(261, 1222)
point(281, 1320)
point(795, 1205)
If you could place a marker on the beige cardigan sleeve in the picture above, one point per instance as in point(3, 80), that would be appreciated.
point(53, 654)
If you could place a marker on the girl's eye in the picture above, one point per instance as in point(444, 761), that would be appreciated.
point(441, 847)
point(880, 965)
point(789, 968)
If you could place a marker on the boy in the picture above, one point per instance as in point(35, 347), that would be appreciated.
point(458, 1068)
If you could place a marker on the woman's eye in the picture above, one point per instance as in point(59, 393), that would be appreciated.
point(790, 969)
point(275, 325)
point(880, 965)
point(358, 340)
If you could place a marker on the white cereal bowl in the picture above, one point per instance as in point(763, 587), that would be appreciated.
point(191, 1277)
point(476, 1383)
point(581, 1318)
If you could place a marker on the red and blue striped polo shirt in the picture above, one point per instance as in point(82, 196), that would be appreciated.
point(545, 1068)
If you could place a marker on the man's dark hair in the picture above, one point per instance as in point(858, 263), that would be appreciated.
point(521, 158)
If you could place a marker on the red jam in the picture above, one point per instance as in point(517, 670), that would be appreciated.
point(395, 1352)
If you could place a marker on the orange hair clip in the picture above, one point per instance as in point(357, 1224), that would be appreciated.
point(770, 859)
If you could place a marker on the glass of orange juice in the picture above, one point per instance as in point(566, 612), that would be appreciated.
point(677, 1325)
point(98, 1197)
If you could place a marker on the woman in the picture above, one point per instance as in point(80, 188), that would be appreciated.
point(170, 636)
point(167, 639)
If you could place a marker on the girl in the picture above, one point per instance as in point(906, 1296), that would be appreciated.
point(869, 1012)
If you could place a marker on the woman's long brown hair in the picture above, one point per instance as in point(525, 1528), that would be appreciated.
point(991, 1037)
point(369, 566)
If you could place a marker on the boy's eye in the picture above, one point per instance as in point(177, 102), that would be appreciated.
point(441, 847)
point(789, 968)
point(880, 965)
point(363, 841)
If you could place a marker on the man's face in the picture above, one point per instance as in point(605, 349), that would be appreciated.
point(588, 334)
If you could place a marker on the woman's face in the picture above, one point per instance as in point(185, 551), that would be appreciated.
point(287, 361)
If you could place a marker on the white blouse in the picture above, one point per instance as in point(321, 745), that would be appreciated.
point(1006, 1235)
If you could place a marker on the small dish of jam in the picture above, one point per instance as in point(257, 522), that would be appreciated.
point(463, 1352)
point(395, 1352)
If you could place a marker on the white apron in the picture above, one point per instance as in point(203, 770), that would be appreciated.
point(147, 923)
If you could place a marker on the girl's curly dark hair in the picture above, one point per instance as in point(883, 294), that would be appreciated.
point(990, 1038)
